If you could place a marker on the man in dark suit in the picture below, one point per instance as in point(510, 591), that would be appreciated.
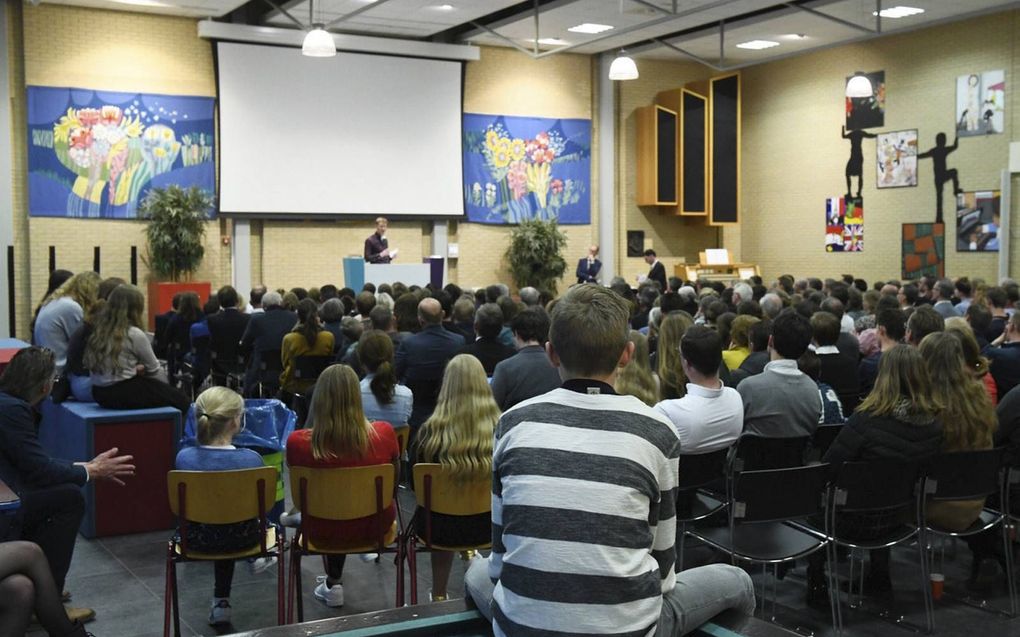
point(377, 248)
point(264, 333)
point(589, 267)
point(52, 504)
point(528, 373)
point(226, 328)
point(656, 271)
point(487, 348)
point(422, 357)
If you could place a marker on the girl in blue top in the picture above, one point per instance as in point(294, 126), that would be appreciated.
point(219, 412)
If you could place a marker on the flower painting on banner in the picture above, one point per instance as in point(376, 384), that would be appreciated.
point(95, 154)
point(523, 168)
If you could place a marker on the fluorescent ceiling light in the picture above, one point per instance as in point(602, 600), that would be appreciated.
point(898, 12)
point(550, 41)
point(795, 36)
point(757, 45)
point(142, 3)
point(443, 7)
point(590, 28)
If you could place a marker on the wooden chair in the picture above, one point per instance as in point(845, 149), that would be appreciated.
point(342, 494)
point(437, 492)
point(220, 497)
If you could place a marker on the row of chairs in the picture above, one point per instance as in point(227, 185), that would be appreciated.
point(777, 514)
point(333, 494)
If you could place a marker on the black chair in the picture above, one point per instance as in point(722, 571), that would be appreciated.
point(875, 505)
point(823, 439)
point(227, 367)
point(973, 475)
point(307, 369)
point(759, 531)
point(179, 370)
point(757, 453)
point(268, 373)
point(692, 503)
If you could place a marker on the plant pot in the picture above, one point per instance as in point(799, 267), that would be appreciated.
point(161, 296)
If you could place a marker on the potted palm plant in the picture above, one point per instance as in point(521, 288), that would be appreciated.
point(535, 255)
point(175, 228)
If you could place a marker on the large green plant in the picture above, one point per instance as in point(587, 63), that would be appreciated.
point(175, 230)
point(535, 255)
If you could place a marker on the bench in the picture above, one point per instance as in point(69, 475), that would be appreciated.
point(79, 431)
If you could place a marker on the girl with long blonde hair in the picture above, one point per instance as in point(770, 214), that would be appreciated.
point(977, 365)
point(459, 437)
point(636, 378)
point(124, 371)
point(672, 383)
point(63, 312)
point(340, 436)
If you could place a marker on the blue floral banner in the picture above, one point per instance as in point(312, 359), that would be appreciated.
point(95, 154)
point(522, 168)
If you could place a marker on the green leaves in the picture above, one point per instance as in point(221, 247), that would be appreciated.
point(176, 228)
point(534, 254)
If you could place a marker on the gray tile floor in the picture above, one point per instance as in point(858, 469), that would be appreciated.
point(122, 578)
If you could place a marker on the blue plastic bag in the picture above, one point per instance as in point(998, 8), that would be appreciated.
point(267, 424)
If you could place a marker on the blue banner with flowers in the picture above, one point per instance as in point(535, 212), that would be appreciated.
point(521, 168)
point(95, 154)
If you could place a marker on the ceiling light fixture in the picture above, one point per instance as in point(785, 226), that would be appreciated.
point(898, 12)
point(757, 45)
point(318, 43)
point(623, 68)
point(550, 41)
point(444, 7)
point(859, 86)
point(590, 28)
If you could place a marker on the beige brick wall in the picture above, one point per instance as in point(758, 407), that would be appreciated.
point(794, 156)
point(120, 51)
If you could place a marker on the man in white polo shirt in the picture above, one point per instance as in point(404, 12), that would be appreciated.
point(710, 417)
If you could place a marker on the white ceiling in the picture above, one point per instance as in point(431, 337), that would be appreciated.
point(637, 24)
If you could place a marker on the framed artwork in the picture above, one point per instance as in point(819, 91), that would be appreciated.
point(867, 112)
point(95, 154)
point(980, 103)
point(896, 160)
point(924, 250)
point(635, 243)
point(521, 168)
point(977, 221)
point(844, 225)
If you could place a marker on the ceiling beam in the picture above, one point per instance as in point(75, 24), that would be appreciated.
point(509, 15)
point(358, 11)
point(831, 18)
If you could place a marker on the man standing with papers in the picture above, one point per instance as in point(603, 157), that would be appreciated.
point(377, 248)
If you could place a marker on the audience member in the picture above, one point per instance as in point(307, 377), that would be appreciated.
point(382, 397)
point(832, 408)
point(922, 322)
point(27, 593)
point(672, 382)
point(942, 299)
point(125, 371)
point(977, 365)
point(265, 333)
point(382, 320)
point(364, 304)
point(628, 589)
point(891, 326)
point(219, 413)
point(710, 416)
point(528, 373)
point(52, 505)
point(781, 401)
point(838, 370)
point(255, 299)
point(55, 280)
point(458, 436)
point(62, 313)
point(980, 320)
point(341, 436)
point(1004, 355)
point(962, 292)
point(464, 317)
point(306, 339)
point(897, 421)
point(997, 301)
point(530, 297)
point(330, 316)
point(739, 345)
point(226, 328)
point(486, 347)
point(421, 358)
point(636, 378)
point(405, 312)
point(758, 343)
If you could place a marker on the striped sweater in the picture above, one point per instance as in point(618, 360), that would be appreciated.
point(583, 515)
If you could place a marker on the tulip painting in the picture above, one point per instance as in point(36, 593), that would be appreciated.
point(94, 154)
point(521, 168)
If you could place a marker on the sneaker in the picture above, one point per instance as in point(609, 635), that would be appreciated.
point(80, 615)
point(220, 611)
point(332, 595)
point(368, 557)
point(260, 564)
point(290, 519)
point(437, 598)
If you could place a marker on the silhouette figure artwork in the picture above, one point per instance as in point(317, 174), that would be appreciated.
point(855, 165)
point(938, 155)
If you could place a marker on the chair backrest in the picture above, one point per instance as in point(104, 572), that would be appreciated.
point(757, 453)
point(823, 438)
point(221, 497)
point(269, 360)
point(965, 475)
point(438, 492)
point(403, 436)
point(779, 494)
point(702, 469)
point(343, 493)
point(310, 367)
point(875, 484)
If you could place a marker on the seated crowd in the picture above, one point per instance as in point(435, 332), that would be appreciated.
point(577, 409)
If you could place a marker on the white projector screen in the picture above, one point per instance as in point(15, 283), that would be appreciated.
point(351, 135)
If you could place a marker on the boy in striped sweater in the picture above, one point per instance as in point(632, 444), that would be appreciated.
point(583, 502)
